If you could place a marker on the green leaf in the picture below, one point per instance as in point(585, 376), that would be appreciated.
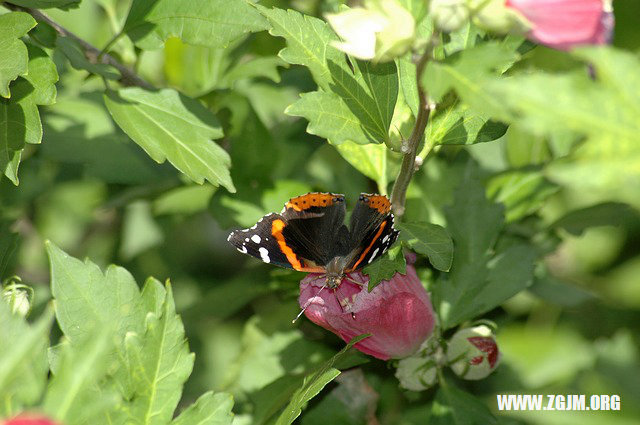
point(80, 132)
point(356, 99)
point(209, 409)
point(479, 279)
point(370, 160)
point(453, 406)
point(561, 354)
point(385, 267)
point(456, 123)
point(79, 61)
point(168, 125)
point(605, 214)
point(140, 232)
point(160, 363)
point(23, 369)
point(430, 240)
point(72, 396)
point(42, 75)
point(48, 4)
point(521, 192)
point(13, 53)
point(467, 72)
point(184, 200)
point(605, 110)
point(313, 384)
point(19, 124)
point(87, 299)
point(213, 23)
point(19, 115)
point(558, 292)
point(8, 245)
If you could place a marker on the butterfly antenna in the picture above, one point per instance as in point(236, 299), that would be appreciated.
point(308, 303)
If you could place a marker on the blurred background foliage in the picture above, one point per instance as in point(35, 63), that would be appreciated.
point(93, 192)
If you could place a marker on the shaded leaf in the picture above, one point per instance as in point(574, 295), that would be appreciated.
point(213, 23)
point(168, 125)
point(605, 214)
point(521, 192)
point(457, 407)
point(479, 279)
point(48, 4)
point(80, 131)
point(79, 61)
point(430, 240)
point(184, 200)
point(8, 245)
point(385, 267)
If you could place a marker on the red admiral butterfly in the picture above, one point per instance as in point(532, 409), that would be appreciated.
point(309, 235)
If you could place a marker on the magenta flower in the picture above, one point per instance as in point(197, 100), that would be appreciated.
point(563, 24)
point(397, 313)
point(29, 419)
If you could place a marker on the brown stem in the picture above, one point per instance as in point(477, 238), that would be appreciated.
point(410, 147)
point(128, 76)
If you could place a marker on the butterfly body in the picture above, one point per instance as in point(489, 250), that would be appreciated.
point(309, 235)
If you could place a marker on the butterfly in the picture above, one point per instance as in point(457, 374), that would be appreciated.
point(309, 235)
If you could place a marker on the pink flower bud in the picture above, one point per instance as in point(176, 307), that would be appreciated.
point(473, 353)
point(563, 24)
point(30, 419)
point(397, 313)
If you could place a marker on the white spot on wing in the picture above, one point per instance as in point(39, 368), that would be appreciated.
point(373, 256)
point(243, 249)
point(246, 239)
point(256, 238)
point(385, 239)
point(264, 254)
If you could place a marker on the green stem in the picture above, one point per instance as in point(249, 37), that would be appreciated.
point(410, 147)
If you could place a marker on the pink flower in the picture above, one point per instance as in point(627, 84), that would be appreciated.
point(563, 24)
point(30, 419)
point(397, 313)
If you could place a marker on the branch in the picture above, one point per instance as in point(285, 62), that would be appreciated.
point(410, 147)
point(129, 77)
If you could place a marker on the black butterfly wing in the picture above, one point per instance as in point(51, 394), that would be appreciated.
point(371, 230)
point(315, 229)
point(301, 237)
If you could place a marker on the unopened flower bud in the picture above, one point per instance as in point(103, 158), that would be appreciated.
point(381, 31)
point(419, 372)
point(18, 296)
point(472, 353)
point(449, 15)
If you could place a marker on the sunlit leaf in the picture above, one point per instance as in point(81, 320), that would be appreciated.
point(168, 125)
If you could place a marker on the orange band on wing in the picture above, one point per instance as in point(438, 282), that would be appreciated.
point(292, 258)
point(364, 253)
point(314, 199)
